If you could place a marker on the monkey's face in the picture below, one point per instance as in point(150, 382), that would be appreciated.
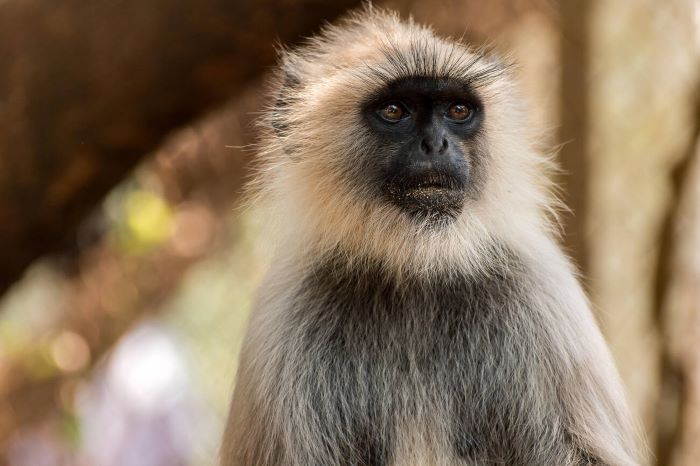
point(394, 143)
point(423, 130)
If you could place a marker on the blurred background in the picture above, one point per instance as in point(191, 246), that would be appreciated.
point(127, 266)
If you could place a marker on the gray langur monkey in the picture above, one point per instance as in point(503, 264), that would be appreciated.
point(418, 310)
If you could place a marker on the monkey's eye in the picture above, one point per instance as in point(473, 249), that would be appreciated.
point(393, 112)
point(459, 112)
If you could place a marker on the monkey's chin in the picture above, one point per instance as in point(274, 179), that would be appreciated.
point(430, 205)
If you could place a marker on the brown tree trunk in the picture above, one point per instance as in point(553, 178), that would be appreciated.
point(573, 134)
point(678, 316)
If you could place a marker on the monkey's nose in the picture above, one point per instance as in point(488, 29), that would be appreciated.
point(428, 147)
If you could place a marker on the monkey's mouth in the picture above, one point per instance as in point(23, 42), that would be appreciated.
point(431, 183)
point(431, 194)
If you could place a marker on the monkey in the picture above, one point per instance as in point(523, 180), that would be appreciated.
point(418, 310)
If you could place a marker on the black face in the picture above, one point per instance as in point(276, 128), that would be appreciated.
point(423, 126)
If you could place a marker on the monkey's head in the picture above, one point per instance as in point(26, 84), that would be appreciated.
point(394, 142)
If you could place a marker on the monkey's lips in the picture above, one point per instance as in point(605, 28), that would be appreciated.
point(433, 194)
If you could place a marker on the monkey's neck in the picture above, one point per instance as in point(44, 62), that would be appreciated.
point(375, 282)
point(493, 259)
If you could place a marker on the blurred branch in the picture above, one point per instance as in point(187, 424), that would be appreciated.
point(574, 130)
point(89, 88)
point(111, 290)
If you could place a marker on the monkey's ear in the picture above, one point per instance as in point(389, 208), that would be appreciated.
point(290, 83)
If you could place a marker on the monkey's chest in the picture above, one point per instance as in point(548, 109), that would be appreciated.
point(455, 367)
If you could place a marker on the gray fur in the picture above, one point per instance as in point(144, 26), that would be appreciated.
point(468, 360)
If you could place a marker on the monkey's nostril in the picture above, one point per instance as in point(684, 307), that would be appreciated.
point(443, 147)
point(425, 147)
